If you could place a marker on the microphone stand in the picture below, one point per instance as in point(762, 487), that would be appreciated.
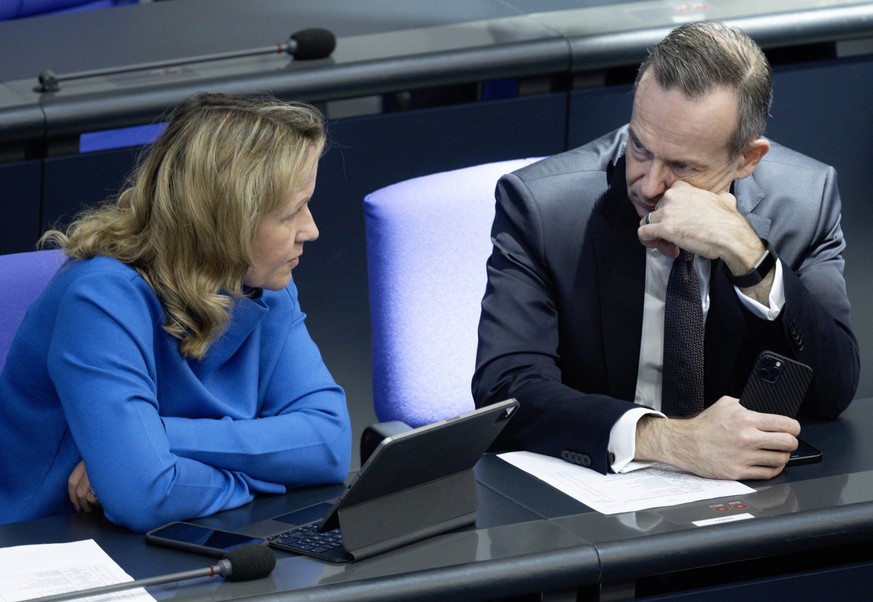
point(221, 568)
point(49, 81)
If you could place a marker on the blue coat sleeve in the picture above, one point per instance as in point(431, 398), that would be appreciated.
point(301, 434)
point(108, 359)
point(101, 361)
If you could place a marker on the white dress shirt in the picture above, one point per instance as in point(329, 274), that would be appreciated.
point(622, 437)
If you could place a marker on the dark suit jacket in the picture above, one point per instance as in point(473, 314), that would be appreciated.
point(562, 313)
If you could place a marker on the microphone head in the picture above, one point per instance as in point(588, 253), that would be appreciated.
point(253, 561)
point(313, 43)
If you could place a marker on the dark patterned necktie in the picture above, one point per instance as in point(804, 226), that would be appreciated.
point(682, 393)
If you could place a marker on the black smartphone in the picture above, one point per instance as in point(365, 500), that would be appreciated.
point(776, 385)
point(199, 539)
point(804, 454)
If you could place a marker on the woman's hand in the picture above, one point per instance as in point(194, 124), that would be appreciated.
point(79, 490)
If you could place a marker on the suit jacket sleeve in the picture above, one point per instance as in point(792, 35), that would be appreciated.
point(799, 213)
point(520, 329)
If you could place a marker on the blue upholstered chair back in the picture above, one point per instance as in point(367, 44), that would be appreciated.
point(428, 239)
point(23, 276)
point(16, 9)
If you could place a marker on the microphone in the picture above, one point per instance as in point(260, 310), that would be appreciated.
point(304, 45)
point(245, 563)
point(310, 44)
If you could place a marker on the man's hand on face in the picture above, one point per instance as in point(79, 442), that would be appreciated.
point(709, 225)
point(702, 222)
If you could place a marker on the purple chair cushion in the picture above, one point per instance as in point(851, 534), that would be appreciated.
point(23, 276)
point(428, 239)
point(15, 9)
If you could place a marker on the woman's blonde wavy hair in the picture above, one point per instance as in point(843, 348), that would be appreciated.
point(187, 218)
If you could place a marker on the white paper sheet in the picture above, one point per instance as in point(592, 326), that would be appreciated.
point(657, 486)
point(45, 569)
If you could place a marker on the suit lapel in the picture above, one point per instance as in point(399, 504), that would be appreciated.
point(748, 195)
point(621, 275)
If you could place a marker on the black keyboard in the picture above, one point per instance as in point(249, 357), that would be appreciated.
point(307, 540)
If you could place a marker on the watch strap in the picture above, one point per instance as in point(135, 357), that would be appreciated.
point(757, 273)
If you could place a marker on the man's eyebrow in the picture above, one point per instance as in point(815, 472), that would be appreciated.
point(632, 134)
point(688, 162)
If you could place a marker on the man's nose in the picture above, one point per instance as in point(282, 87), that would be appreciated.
point(656, 180)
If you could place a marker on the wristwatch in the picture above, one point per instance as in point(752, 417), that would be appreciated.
point(757, 273)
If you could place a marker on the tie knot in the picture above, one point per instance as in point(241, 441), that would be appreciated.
point(686, 256)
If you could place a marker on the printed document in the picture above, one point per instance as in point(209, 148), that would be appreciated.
point(42, 570)
point(657, 486)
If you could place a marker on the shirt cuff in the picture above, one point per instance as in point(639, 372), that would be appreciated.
point(623, 440)
point(776, 299)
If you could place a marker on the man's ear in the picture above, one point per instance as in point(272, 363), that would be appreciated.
point(750, 158)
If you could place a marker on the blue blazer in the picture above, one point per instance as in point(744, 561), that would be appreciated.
point(562, 313)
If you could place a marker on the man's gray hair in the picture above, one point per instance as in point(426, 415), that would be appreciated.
point(700, 57)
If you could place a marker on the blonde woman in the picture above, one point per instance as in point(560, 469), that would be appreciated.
point(166, 371)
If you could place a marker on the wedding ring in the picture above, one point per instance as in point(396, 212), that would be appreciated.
point(92, 494)
point(648, 218)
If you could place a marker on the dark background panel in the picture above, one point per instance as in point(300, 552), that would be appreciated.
point(825, 110)
point(19, 205)
point(72, 182)
point(597, 111)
